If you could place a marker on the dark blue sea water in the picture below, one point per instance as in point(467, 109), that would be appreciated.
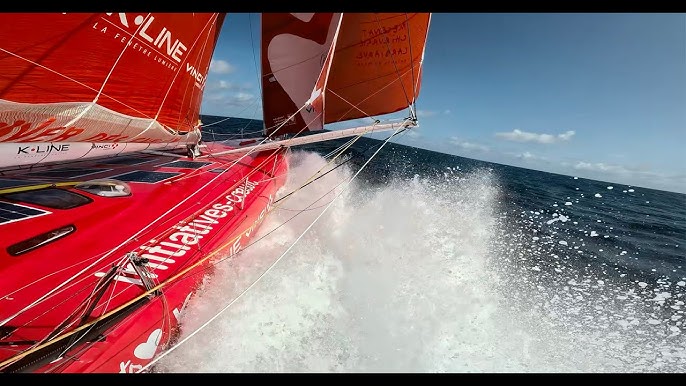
point(432, 262)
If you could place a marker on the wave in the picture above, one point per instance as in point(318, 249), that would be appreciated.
point(423, 274)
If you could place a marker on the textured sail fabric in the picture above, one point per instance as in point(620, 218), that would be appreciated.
point(376, 66)
point(294, 49)
point(335, 67)
point(105, 77)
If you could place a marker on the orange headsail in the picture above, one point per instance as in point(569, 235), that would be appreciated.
point(319, 68)
point(377, 64)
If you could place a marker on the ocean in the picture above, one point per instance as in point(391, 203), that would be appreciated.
point(429, 262)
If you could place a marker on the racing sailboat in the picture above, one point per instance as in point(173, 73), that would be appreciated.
point(113, 209)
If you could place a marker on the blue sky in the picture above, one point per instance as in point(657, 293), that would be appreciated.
point(599, 96)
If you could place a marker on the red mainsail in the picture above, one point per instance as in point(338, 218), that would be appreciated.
point(104, 77)
point(295, 47)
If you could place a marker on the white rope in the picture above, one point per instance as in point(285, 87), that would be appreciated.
point(273, 264)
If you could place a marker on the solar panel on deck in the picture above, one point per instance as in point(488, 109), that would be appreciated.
point(65, 172)
point(13, 212)
point(145, 176)
point(186, 164)
point(9, 183)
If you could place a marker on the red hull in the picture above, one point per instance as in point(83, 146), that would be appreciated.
point(178, 219)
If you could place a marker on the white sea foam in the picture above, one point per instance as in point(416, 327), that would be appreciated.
point(420, 276)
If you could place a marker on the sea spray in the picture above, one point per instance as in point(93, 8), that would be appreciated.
point(426, 274)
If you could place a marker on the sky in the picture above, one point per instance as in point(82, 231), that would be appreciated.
point(593, 95)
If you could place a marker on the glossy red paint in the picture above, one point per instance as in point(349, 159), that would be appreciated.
point(180, 225)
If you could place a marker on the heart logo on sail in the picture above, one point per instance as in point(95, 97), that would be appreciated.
point(297, 77)
point(146, 350)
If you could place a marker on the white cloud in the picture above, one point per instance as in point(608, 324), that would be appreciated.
point(223, 85)
point(237, 99)
point(567, 135)
point(528, 156)
point(240, 99)
point(213, 97)
point(431, 113)
point(523, 136)
point(629, 175)
point(412, 133)
point(221, 67)
point(599, 166)
point(426, 113)
point(468, 145)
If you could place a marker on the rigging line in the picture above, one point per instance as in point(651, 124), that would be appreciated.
point(159, 286)
point(278, 206)
point(311, 180)
point(61, 327)
point(254, 242)
point(134, 236)
point(111, 251)
point(370, 96)
point(280, 126)
point(46, 276)
point(353, 105)
point(214, 157)
point(253, 119)
point(107, 78)
point(271, 266)
point(58, 292)
point(61, 39)
point(238, 182)
point(255, 147)
point(336, 150)
point(402, 129)
point(93, 304)
point(234, 134)
point(73, 80)
point(227, 118)
point(209, 22)
point(54, 306)
point(214, 123)
point(254, 57)
point(327, 164)
point(254, 102)
point(273, 207)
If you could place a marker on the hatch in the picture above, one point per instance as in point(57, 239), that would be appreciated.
point(105, 187)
